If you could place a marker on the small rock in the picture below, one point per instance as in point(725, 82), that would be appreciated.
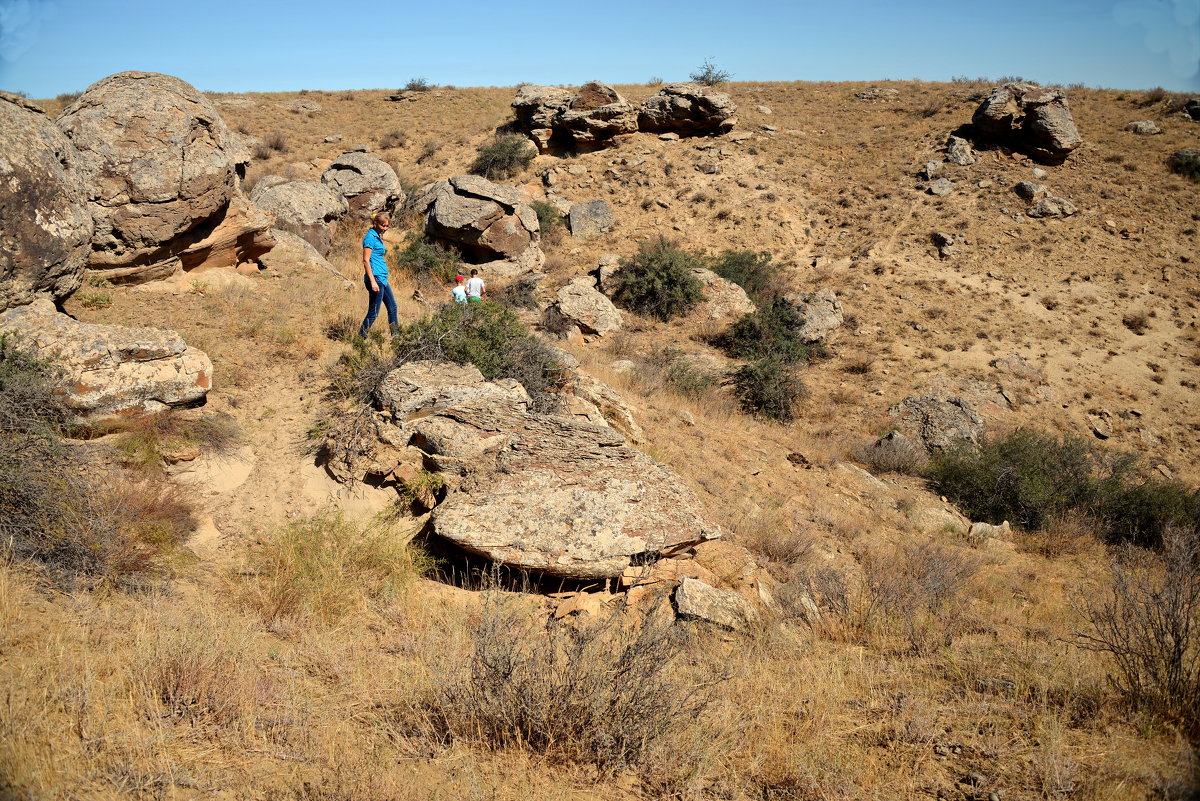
point(932, 168)
point(623, 366)
point(973, 779)
point(1029, 190)
point(331, 139)
point(1143, 128)
point(1052, 207)
point(763, 110)
point(941, 750)
point(1039, 174)
point(669, 136)
point(768, 128)
point(941, 187)
point(686, 417)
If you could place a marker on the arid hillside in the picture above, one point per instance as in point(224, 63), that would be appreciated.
point(300, 644)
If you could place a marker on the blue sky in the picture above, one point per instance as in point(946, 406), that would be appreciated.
point(52, 46)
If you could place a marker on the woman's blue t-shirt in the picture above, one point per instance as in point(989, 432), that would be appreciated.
point(378, 251)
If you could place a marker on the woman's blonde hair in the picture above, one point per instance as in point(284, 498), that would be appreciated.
point(380, 216)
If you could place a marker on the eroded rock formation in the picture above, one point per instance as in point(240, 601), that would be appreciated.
point(1030, 118)
point(486, 222)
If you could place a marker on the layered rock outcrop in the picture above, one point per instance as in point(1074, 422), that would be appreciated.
point(160, 169)
point(595, 114)
point(486, 222)
point(45, 224)
point(367, 183)
point(112, 370)
point(1030, 118)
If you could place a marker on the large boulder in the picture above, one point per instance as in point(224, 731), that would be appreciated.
point(486, 222)
point(45, 225)
point(111, 370)
point(723, 299)
point(538, 492)
point(1030, 118)
point(588, 118)
point(308, 209)
point(590, 219)
point(580, 304)
point(695, 600)
point(822, 312)
point(368, 184)
point(940, 423)
point(688, 108)
point(159, 167)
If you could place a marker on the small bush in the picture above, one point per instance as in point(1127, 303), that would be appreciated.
point(324, 567)
point(66, 98)
point(417, 85)
point(95, 300)
point(277, 141)
point(769, 388)
point(503, 157)
point(892, 453)
point(423, 258)
point(150, 441)
point(1154, 96)
point(1148, 622)
point(1186, 163)
point(709, 75)
point(550, 221)
point(601, 692)
point(753, 272)
point(657, 281)
point(520, 293)
point(771, 331)
point(429, 149)
point(396, 138)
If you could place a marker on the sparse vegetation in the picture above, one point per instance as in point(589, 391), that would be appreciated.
point(754, 272)
point(657, 282)
point(770, 388)
point(95, 300)
point(1186, 163)
point(423, 258)
point(149, 442)
point(503, 157)
point(771, 331)
point(710, 75)
point(393, 138)
point(417, 85)
point(550, 222)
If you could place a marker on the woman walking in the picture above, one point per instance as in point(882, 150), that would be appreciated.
point(376, 274)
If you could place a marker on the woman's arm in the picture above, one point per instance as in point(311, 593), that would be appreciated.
point(370, 276)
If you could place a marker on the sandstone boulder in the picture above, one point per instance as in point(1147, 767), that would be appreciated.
point(591, 219)
point(581, 304)
point(688, 108)
point(159, 167)
point(293, 253)
point(112, 370)
point(958, 151)
point(1052, 207)
point(486, 222)
point(941, 423)
point(822, 313)
point(606, 406)
point(1192, 108)
point(723, 299)
point(308, 209)
point(1144, 128)
point(45, 224)
point(589, 117)
point(1030, 118)
point(367, 183)
point(695, 600)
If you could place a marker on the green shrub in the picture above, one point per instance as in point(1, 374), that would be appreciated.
point(550, 221)
point(1032, 479)
point(769, 388)
point(149, 441)
point(503, 157)
point(709, 75)
point(1186, 162)
point(656, 281)
point(422, 258)
point(417, 85)
point(771, 331)
point(753, 272)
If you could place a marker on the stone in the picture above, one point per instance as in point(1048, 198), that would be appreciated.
point(580, 304)
point(590, 117)
point(763, 110)
point(1028, 190)
point(111, 370)
point(301, 105)
point(1039, 174)
point(941, 187)
point(822, 312)
point(1052, 207)
point(931, 169)
point(45, 224)
point(893, 452)
point(486, 222)
point(607, 265)
point(308, 209)
point(877, 94)
point(695, 600)
point(367, 183)
point(159, 167)
point(591, 219)
point(688, 109)
point(984, 531)
point(958, 151)
point(1192, 108)
point(612, 408)
point(944, 242)
point(939, 423)
point(669, 136)
point(1033, 119)
point(723, 299)
point(1144, 128)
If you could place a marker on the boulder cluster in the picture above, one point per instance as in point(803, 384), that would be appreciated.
point(592, 116)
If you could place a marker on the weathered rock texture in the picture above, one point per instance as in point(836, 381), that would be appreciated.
point(822, 314)
point(688, 108)
point(544, 493)
point(723, 299)
point(292, 253)
point(581, 304)
point(486, 222)
point(45, 225)
point(368, 184)
point(940, 423)
point(112, 370)
point(308, 209)
point(1030, 118)
point(160, 168)
point(590, 219)
point(596, 113)
point(695, 600)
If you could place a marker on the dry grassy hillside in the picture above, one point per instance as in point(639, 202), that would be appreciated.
point(283, 658)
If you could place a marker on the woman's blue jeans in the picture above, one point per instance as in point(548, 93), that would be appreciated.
point(384, 296)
